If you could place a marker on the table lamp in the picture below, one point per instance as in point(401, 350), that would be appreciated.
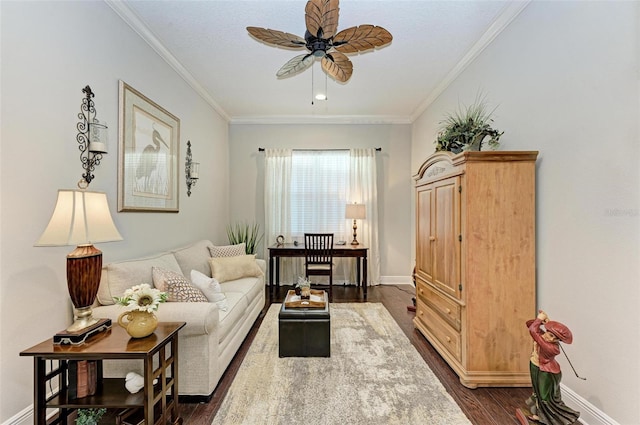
point(356, 212)
point(81, 218)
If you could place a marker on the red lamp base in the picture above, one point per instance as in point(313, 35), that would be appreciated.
point(84, 267)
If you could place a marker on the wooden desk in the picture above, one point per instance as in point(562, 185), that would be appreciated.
point(111, 392)
point(290, 250)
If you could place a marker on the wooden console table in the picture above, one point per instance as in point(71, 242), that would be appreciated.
point(111, 392)
point(290, 250)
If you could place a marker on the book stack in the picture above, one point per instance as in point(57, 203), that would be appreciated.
point(82, 378)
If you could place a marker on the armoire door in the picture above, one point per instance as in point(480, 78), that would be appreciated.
point(424, 232)
point(445, 238)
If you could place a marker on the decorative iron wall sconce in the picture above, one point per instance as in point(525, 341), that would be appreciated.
point(92, 138)
point(191, 170)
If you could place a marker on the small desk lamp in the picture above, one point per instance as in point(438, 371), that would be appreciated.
point(356, 212)
point(81, 218)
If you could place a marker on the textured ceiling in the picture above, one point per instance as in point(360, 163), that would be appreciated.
point(207, 42)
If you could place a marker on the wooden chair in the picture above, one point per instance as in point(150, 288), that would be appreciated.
point(318, 252)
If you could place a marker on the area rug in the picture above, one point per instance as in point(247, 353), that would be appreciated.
point(374, 376)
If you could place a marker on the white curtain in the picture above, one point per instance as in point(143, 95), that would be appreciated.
point(363, 190)
point(277, 207)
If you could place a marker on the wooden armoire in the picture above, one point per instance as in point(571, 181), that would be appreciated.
point(475, 262)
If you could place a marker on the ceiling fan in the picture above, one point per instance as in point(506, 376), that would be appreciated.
point(322, 40)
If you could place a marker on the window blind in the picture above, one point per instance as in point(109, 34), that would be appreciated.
point(319, 181)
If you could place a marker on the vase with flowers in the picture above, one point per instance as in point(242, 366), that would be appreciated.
point(304, 286)
point(143, 301)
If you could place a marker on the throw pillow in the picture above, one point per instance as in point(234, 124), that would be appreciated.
point(225, 269)
point(178, 288)
point(228, 250)
point(210, 287)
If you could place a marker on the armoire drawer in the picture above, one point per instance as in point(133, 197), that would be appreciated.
point(447, 308)
point(447, 336)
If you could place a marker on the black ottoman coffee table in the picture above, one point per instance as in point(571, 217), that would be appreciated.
point(305, 332)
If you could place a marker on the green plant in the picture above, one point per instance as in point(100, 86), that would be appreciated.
point(467, 128)
point(303, 282)
point(90, 416)
point(243, 232)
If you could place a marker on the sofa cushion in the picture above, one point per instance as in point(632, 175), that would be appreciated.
point(177, 287)
point(118, 277)
point(211, 289)
point(231, 268)
point(194, 257)
point(250, 287)
point(228, 250)
point(229, 319)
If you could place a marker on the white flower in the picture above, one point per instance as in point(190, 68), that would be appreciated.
point(142, 297)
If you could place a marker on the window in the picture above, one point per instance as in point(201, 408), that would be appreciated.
point(319, 181)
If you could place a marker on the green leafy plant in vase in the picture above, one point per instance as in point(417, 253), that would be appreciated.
point(90, 416)
point(468, 128)
point(247, 233)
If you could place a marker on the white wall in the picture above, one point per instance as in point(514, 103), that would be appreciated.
point(394, 179)
point(565, 77)
point(50, 51)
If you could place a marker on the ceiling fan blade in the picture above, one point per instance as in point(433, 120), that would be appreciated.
point(295, 65)
point(338, 66)
point(361, 38)
point(321, 17)
point(277, 38)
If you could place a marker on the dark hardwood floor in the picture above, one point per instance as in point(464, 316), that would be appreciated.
point(483, 406)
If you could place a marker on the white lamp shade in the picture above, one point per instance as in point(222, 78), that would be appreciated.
point(80, 217)
point(355, 212)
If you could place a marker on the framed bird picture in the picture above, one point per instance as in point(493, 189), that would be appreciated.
point(148, 154)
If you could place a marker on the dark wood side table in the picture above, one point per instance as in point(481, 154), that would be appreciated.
point(111, 392)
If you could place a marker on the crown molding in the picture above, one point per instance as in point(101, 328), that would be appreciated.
point(320, 119)
point(131, 19)
point(506, 16)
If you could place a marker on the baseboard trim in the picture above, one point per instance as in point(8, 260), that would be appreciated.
point(589, 414)
point(396, 280)
point(24, 417)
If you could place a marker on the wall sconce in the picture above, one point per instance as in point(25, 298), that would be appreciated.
point(356, 212)
point(92, 137)
point(191, 170)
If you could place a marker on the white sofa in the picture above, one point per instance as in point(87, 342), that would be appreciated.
point(211, 336)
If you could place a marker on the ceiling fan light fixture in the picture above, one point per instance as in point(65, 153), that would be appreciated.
point(319, 88)
point(323, 41)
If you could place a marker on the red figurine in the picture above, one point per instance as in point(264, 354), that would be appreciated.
point(545, 404)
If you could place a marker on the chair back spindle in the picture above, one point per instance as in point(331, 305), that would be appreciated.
point(318, 251)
